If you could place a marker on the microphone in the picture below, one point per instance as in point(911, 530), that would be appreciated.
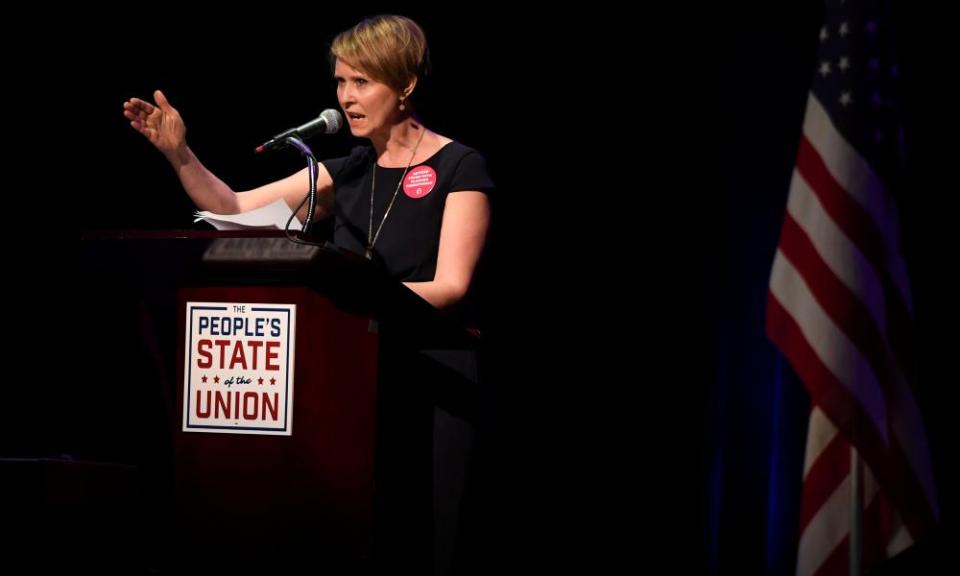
point(328, 122)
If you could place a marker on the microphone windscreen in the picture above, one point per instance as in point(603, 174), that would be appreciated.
point(334, 120)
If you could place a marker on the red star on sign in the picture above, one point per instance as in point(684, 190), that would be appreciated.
point(260, 381)
point(216, 379)
point(273, 381)
point(204, 379)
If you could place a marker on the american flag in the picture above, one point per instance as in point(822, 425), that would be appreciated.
point(839, 304)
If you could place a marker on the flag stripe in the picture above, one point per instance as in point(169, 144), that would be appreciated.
point(856, 226)
point(853, 317)
point(839, 254)
point(837, 563)
point(820, 433)
point(849, 216)
point(825, 391)
point(877, 516)
point(826, 530)
point(826, 162)
point(827, 472)
point(846, 311)
point(829, 347)
point(855, 176)
point(901, 541)
point(846, 413)
point(905, 417)
point(846, 262)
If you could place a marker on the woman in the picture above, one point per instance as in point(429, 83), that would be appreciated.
point(412, 199)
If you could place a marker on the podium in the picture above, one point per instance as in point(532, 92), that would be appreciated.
point(342, 486)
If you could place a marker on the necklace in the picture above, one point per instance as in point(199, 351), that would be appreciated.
point(371, 236)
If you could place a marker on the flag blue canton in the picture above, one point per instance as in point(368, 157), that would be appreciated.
point(856, 77)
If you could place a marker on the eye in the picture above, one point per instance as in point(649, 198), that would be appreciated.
point(361, 81)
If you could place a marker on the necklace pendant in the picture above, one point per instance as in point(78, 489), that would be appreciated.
point(369, 253)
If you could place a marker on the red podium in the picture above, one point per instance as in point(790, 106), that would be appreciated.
point(343, 485)
point(319, 480)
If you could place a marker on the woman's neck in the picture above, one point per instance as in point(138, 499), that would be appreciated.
point(395, 147)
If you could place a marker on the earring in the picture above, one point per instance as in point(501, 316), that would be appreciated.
point(402, 106)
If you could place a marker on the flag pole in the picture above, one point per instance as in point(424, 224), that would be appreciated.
point(856, 513)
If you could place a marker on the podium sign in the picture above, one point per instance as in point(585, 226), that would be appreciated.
point(238, 377)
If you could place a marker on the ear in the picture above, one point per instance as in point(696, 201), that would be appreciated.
point(409, 89)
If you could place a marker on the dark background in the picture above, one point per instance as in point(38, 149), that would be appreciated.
point(642, 167)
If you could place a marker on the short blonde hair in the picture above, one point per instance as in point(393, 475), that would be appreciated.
point(391, 49)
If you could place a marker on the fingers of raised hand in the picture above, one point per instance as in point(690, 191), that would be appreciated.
point(138, 108)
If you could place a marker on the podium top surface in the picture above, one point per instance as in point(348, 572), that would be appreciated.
point(172, 259)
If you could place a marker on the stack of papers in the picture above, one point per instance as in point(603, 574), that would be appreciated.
point(270, 217)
